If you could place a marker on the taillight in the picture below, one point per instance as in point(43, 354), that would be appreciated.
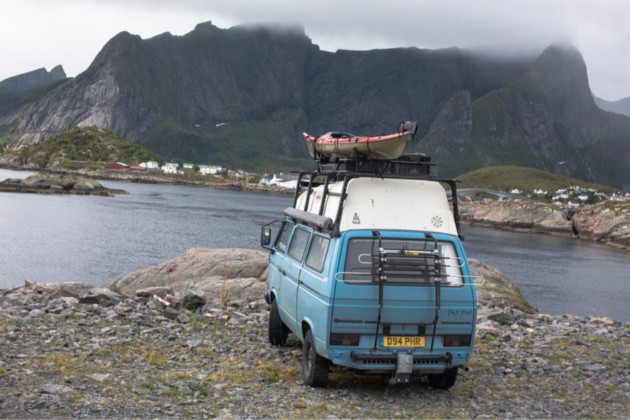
point(339, 339)
point(456, 340)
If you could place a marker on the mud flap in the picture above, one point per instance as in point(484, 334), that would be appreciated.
point(404, 366)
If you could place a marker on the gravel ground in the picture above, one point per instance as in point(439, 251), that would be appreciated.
point(102, 355)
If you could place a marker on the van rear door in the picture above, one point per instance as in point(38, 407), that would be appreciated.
point(403, 284)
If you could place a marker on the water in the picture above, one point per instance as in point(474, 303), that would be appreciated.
point(96, 240)
point(558, 275)
point(99, 239)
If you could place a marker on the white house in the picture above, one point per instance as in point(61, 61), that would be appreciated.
point(170, 168)
point(150, 165)
point(189, 166)
point(209, 169)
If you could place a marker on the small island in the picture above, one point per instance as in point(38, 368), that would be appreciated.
point(46, 183)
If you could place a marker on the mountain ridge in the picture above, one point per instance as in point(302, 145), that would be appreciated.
point(242, 96)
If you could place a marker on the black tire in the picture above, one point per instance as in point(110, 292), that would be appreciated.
point(314, 367)
point(278, 332)
point(444, 380)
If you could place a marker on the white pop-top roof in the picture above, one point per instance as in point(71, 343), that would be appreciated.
point(375, 203)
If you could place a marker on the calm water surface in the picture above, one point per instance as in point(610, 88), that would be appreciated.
point(98, 239)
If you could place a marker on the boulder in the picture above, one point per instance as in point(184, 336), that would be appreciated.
point(607, 222)
point(496, 291)
point(229, 276)
point(100, 295)
point(59, 290)
point(221, 274)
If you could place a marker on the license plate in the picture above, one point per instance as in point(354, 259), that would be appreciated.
point(401, 341)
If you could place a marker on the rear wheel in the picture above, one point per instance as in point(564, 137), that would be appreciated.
point(278, 332)
point(314, 367)
point(444, 380)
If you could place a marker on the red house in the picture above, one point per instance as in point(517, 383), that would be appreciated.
point(117, 166)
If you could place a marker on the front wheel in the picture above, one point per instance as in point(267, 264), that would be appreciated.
point(444, 380)
point(278, 332)
point(314, 367)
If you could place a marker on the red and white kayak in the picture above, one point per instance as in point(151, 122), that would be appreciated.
point(333, 145)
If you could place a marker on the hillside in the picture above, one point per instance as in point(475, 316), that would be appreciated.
point(243, 96)
point(506, 178)
point(82, 146)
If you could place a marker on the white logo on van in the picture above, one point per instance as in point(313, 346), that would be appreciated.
point(355, 219)
point(437, 221)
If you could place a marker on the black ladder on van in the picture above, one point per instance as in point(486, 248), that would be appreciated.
point(401, 264)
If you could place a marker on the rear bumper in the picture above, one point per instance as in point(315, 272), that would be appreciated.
point(386, 361)
point(417, 358)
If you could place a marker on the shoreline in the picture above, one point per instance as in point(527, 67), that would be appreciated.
point(142, 178)
point(514, 217)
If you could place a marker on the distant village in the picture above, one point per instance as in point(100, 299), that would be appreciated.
point(571, 197)
point(174, 168)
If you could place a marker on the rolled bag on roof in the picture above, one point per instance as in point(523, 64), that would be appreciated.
point(313, 220)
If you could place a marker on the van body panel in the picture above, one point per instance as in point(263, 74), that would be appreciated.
point(399, 204)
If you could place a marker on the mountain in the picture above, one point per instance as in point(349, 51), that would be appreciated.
point(621, 106)
point(32, 79)
point(17, 93)
point(243, 96)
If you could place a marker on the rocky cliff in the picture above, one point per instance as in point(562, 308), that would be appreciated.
point(244, 95)
point(607, 222)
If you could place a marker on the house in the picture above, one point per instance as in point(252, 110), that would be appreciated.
point(209, 169)
point(188, 166)
point(150, 165)
point(170, 167)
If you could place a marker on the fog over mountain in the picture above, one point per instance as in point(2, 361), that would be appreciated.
point(242, 97)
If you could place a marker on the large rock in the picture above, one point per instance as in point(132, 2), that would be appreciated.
point(222, 274)
point(45, 183)
point(516, 215)
point(607, 222)
point(497, 292)
point(227, 275)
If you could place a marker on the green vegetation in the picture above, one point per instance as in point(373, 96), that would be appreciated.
point(245, 144)
point(505, 178)
point(84, 146)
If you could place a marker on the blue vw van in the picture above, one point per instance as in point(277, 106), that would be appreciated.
point(368, 270)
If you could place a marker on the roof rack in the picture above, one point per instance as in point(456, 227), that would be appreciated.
point(413, 166)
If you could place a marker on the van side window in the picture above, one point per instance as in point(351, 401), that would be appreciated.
point(317, 253)
point(283, 237)
point(298, 244)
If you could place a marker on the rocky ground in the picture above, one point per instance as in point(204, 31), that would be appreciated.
point(76, 351)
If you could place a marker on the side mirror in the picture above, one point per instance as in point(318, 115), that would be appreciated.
point(265, 236)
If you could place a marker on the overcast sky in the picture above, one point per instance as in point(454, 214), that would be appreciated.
point(44, 33)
